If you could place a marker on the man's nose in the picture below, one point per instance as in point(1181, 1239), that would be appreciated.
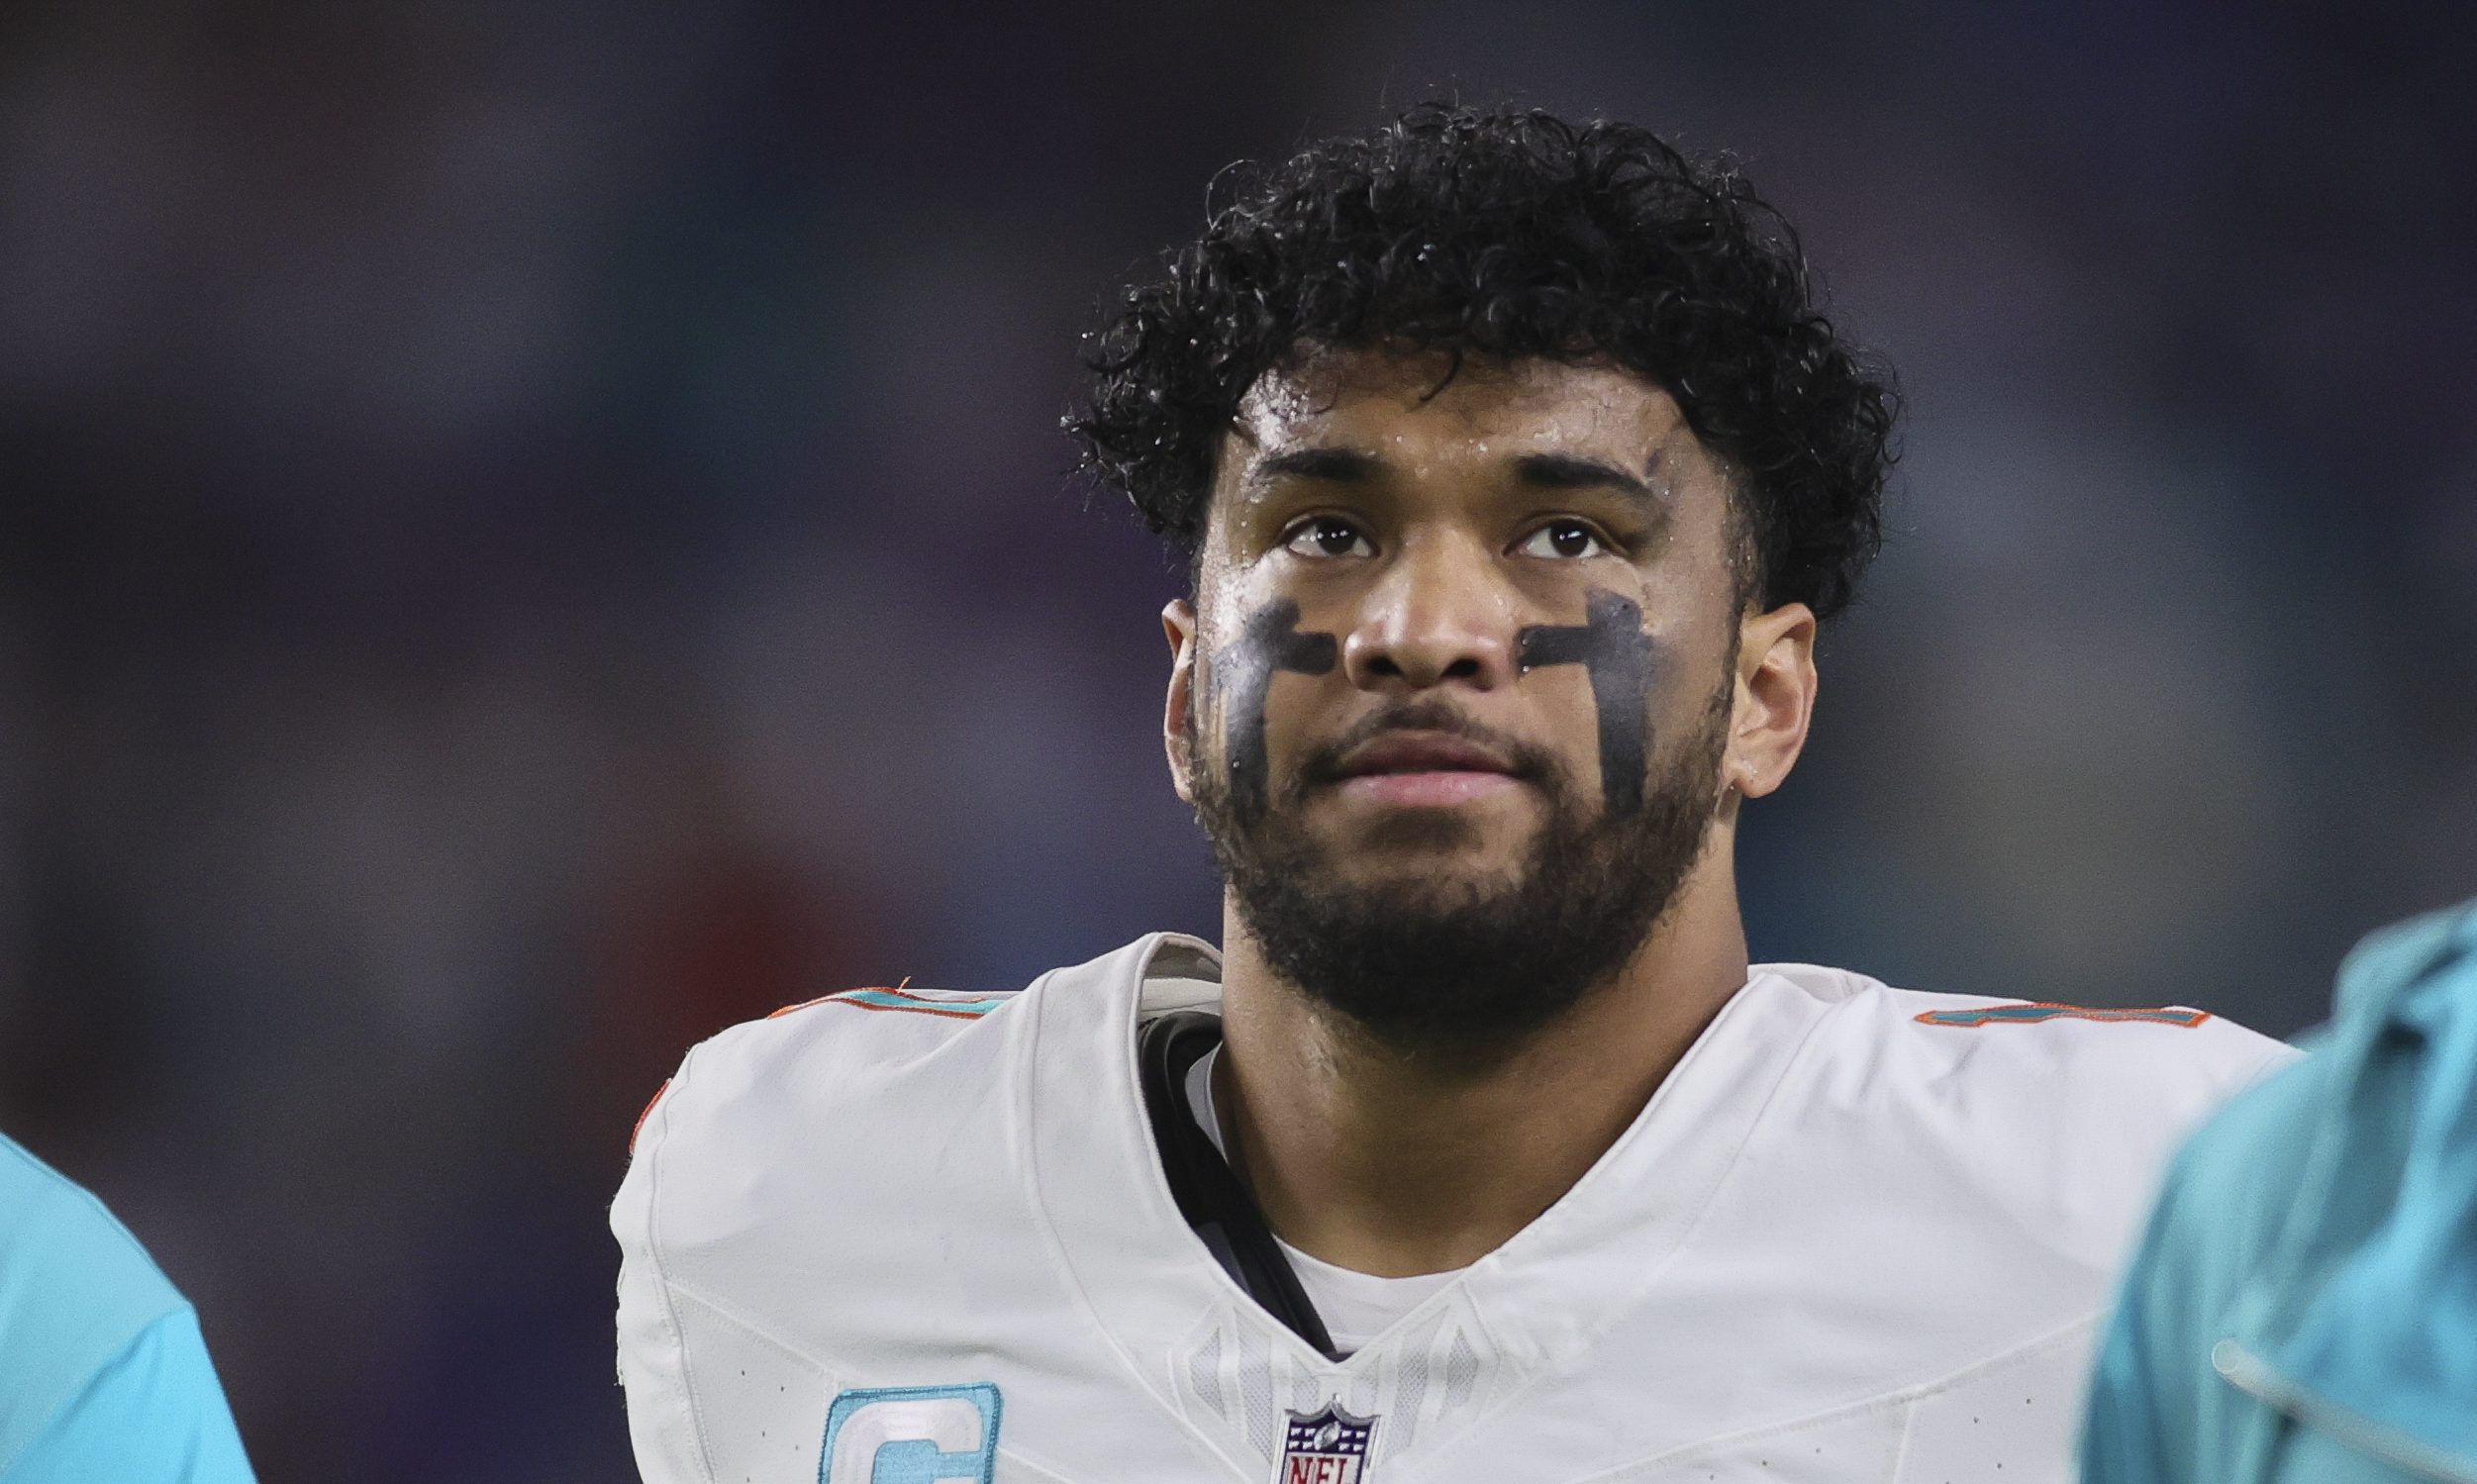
point(1438, 612)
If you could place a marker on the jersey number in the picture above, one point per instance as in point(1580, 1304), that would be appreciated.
point(911, 1435)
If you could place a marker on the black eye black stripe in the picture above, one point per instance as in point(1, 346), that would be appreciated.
point(1609, 646)
point(1244, 672)
point(1616, 655)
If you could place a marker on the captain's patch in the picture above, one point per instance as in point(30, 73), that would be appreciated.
point(2026, 1015)
point(1326, 1448)
point(911, 1435)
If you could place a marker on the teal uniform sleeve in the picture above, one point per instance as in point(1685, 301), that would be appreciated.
point(2124, 1429)
point(103, 1374)
point(2158, 1413)
point(153, 1414)
point(2302, 1307)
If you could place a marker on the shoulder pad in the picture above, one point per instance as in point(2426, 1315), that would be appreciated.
point(849, 1043)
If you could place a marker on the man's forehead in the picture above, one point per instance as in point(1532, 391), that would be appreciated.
point(1378, 401)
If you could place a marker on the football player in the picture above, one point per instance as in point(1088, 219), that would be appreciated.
point(1519, 469)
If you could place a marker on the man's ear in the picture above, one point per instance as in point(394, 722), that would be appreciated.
point(1178, 626)
point(1775, 698)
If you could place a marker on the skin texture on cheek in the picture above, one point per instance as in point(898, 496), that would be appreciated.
point(1243, 672)
point(1616, 655)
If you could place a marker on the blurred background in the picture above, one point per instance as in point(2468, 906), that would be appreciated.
point(531, 533)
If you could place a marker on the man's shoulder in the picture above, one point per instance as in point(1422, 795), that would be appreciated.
point(838, 1057)
point(837, 1196)
point(906, 1056)
point(2157, 1052)
point(800, 1143)
point(2057, 1119)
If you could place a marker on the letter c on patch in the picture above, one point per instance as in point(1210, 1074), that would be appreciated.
point(911, 1435)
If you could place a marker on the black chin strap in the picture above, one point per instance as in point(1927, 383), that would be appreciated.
point(1220, 1209)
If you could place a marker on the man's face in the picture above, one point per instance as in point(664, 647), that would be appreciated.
point(1462, 667)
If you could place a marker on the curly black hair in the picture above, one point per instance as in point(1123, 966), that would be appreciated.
point(1511, 235)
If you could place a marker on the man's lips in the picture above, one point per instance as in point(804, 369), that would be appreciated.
point(1420, 752)
point(1427, 770)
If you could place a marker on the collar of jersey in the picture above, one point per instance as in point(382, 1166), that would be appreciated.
point(1546, 1296)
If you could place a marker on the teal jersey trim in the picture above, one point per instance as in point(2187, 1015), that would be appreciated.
point(2032, 1015)
point(896, 999)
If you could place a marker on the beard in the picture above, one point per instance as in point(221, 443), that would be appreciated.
point(1465, 967)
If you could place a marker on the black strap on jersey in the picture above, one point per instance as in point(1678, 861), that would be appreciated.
point(1219, 1209)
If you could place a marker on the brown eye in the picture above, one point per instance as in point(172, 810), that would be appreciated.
point(1562, 541)
point(1327, 536)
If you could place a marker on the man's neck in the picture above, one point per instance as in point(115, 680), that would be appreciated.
point(1394, 1163)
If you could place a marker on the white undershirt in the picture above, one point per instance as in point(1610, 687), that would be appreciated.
point(1355, 1306)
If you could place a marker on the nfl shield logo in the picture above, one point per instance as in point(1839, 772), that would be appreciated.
point(1326, 1448)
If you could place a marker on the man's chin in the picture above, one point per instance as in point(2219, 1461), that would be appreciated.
point(1473, 839)
point(1413, 884)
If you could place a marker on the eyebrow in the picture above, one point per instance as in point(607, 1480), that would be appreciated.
point(1577, 471)
point(1553, 471)
point(1334, 466)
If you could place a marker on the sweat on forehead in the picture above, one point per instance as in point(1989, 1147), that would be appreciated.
point(1329, 391)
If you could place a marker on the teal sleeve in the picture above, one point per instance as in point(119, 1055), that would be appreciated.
point(2158, 1413)
point(153, 1414)
point(2124, 1429)
point(2158, 1410)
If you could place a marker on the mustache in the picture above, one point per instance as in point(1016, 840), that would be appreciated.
point(1528, 761)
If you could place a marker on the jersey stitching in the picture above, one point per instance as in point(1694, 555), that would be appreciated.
point(1909, 1397)
point(1036, 1024)
point(1461, 1297)
point(1901, 1450)
point(1711, 1197)
point(662, 1277)
point(826, 1371)
point(826, 1365)
point(833, 1371)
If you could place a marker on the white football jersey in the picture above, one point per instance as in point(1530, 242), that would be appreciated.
point(1860, 1234)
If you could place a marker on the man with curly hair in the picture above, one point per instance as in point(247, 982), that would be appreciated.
point(1518, 470)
